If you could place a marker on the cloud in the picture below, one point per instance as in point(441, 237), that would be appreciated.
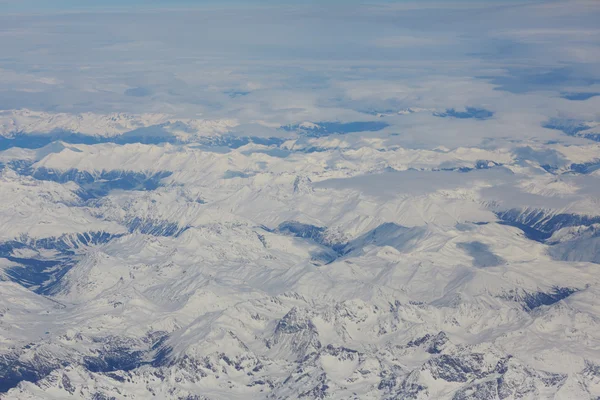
point(138, 92)
point(287, 64)
point(410, 41)
point(547, 34)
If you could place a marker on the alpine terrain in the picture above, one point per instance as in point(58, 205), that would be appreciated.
point(338, 201)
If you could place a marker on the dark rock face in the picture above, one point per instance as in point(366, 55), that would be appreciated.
point(43, 275)
point(573, 127)
point(531, 301)
point(433, 344)
point(317, 392)
point(13, 370)
point(149, 135)
point(64, 244)
point(570, 127)
point(386, 234)
point(296, 331)
point(454, 369)
point(95, 185)
point(292, 324)
point(301, 230)
point(322, 129)
point(109, 354)
point(540, 224)
point(481, 391)
point(317, 234)
point(507, 379)
point(585, 168)
point(155, 227)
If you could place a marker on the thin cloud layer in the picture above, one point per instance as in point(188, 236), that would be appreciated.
point(287, 64)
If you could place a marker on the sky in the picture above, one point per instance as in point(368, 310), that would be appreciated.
point(271, 63)
point(45, 6)
point(71, 5)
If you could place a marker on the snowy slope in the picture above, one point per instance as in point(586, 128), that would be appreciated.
point(361, 270)
point(15, 122)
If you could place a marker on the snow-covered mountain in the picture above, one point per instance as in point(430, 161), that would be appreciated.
point(15, 123)
point(317, 266)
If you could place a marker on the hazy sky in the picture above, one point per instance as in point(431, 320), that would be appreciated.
point(78, 5)
point(289, 62)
